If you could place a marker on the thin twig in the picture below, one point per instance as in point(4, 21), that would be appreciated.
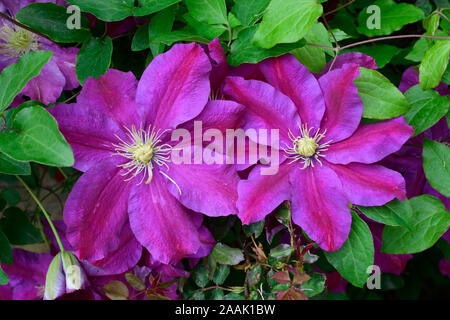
point(337, 9)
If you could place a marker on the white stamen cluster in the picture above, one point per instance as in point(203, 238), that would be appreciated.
point(143, 151)
point(306, 148)
point(16, 41)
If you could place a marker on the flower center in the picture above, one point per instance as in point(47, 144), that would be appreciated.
point(306, 148)
point(17, 41)
point(145, 152)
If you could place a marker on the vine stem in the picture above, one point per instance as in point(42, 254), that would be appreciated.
point(17, 23)
point(47, 216)
point(337, 9)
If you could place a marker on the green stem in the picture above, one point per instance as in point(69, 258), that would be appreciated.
point(47, 216)
point(63, 173)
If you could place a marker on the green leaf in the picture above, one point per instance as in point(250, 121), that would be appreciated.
point(106, 10)
point(200, 275)
point(141, 39)
point(434, 64)
point(51, 20)
point(13, 167)
point(431, 24)
point(249, 11)
point(281, 251)
point(436, 164)
point(418, 51)
point(4, 280)
point(217, 294)
point(255, 228)
point(18, 228)
point(393, 17)
point(427, 108)
point(35, 137)
point(394, 213)
point(208, 11)
point(227, 255)
point(430, 222)
point(314, 57)
point(11, 195)
point(146, 7)
point(382, 53)
point(94, 58)
point(5, 250)
point(243, 51)
point(116, 290)
point(286, 21)
point(220, 274)
point(161, 23)
point(315, 285)
point(355, 255)
point(205, 30)
point(169, 38)
point(382, 100)
point(16, 76)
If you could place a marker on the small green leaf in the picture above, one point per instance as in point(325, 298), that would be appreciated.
point(281, 251)
point(427, 108)
point(315, 285)
point(16, 76)
point(11, 195)
point(208, 11)
point(4, 280)
point(51, 20)
point(207, 31)
point(116, 290)
point(393, 17)
point(36, 138)
point(249, 11)
point(135, 282)
point(106, 10)
point(168, 38)
point(436, 164)
point(430, 222)
point(395, 213)
point(227, 255)
point(146, 7)
point(418, 51)
point(254, 229)
point(161, 23)
point(220, 274)
point(18, 228)
point(5, 250)
point(200, 275)
point(434, 64)
point(382, 100)
point(243, 51)
point(13, 167)
point(286, 21)
point(355, 255)
point(141, 39)
point(94, 58)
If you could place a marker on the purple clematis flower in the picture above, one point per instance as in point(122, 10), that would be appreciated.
point(57, 75)
point(328, 154)
point(131, 194)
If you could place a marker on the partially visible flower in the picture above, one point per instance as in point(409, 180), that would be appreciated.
point(131, 193)
point(328, 154)
point(26, 276)
point(57, 75)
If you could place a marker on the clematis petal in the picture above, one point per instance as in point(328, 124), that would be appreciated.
point(175, 87)
point(260, 194)
point(66, 59)
point(268, 107)
point(248, 71)
point(48, 85)
point(207, 188)
point(103, 108)
point(160, 223)
point(371, 142)
point(219, 64)
point(369, 185)
point(320, 207)
point(358, 58)
point(289, 76)
point(96, 211)
point(344, 107)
